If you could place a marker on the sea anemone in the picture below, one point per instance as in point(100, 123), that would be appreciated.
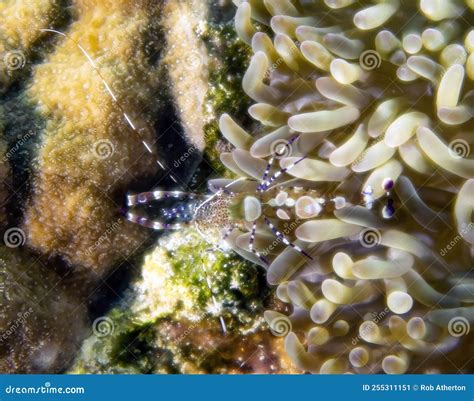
point(367, 110)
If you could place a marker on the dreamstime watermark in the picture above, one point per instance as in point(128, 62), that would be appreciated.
point(14, 237)
point(14, 60)
point(193, 60)
point(279, 61)
point(103, 149)
point(18, 145)
point(46, 389)
point(287, 230)
point(464, 230)
point(459, 326)
point(375, 319)
point(111, 228)
point(103, 326)
point(294, 52)
point(15, 325)
point(3, 278)
point(370, 237)
point(459, 149)
point(370, 60)
point(185, 156)
point(280, 326)
point(192, 327)
point(361, 157)
point(281, 149)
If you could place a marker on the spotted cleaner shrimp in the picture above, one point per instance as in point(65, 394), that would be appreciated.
point(244, 203)
point(246, 212)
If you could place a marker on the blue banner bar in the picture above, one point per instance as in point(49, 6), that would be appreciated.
point(237, 388)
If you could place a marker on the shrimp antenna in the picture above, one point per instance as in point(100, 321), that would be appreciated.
point(112, 95)
point(133, 200)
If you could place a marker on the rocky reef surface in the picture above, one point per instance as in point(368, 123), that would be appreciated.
point(41, 319)
point(192, 310)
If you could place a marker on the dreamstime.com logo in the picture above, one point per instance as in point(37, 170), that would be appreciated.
point(3, 279)
point(363, 155)
point(185, 156)
point(281, 149)
point(286, 231)
point(194, 60)
point(192, 327)
point(47, 388)
point(459, 149)
point(18, 145)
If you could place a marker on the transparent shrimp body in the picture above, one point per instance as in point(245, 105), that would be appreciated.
point(247, 214)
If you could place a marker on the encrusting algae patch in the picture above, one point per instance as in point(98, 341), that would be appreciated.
point(186, 62)
point(170, 321)
point(88, 151)
point(20, 29)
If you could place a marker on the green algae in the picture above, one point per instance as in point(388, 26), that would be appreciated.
point(169, 318)
point(230, 56)
point(234, 282)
